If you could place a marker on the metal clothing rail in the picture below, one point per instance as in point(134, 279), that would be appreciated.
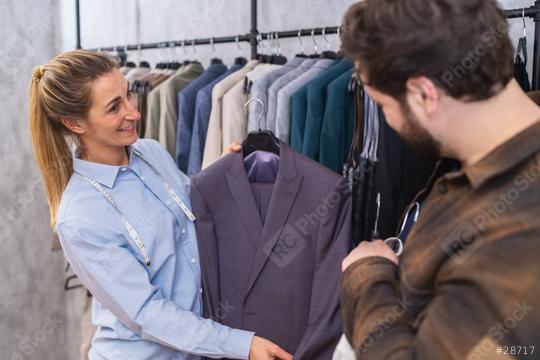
point(254, 37)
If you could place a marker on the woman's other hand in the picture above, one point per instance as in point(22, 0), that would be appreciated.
point(234, 147)
point(262, 349)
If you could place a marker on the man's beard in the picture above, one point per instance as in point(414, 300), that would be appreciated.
point(417, 137)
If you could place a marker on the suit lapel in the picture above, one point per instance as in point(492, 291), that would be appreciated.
point(283, 196)
point(243, 196)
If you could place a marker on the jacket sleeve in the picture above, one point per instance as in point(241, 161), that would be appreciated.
point(117, 279)
point(475, 307)
point(324, 324)
point(208, 250)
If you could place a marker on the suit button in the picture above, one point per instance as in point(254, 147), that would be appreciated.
point(443, 189)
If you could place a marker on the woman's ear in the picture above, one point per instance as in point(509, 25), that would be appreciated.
point(75, 125)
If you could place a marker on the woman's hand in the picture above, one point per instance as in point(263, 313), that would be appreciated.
point(234, 147)
point(262, 349)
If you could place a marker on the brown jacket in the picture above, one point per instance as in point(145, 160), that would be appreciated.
point(469, 277)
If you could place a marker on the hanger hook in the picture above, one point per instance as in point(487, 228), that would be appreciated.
point(260, 42)
point(325, 39)
point(524, 23)
point(270, 43)
point(315, 46)
point(274, 43)
point(193, 47)
point(237, 40)
point(212, 44)
point(184, 47)
point(172, 46)
point(301, 42)
point(278, 44)
point(263, 108)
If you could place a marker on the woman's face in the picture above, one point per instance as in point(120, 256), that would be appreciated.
point(112, 117)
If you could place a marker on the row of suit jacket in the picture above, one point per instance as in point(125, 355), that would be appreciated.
point(197, 113)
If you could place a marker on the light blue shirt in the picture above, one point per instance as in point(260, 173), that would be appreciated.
point(142, 312)
point(277, 85)
point(260, 90)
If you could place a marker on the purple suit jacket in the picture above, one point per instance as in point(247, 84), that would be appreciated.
point(279, 278)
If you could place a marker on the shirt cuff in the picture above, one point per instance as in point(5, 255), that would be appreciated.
point(239, 343)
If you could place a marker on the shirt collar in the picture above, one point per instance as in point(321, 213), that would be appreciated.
point(505, 156)
point(102, 173)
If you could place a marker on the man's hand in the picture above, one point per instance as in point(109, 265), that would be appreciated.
point(234, 147)
point(262, 349)
point(367, 249)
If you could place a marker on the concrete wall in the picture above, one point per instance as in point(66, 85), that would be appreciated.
point(36, 317)
point(38, 320)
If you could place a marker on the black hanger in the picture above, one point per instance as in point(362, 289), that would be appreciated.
point(329, 55)
point(260, 140)
point(240, 60)
point(130, 64)
point(144, 64)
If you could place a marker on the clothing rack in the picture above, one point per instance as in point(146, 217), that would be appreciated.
point(254, 37)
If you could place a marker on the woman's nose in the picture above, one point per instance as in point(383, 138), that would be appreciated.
point(132, 111)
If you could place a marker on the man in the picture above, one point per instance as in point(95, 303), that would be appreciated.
point(466, 285)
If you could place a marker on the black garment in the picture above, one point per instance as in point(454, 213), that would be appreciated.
point(520, 66)
point(397, 176)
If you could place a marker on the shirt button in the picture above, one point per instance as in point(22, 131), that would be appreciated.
point(183, 231)
point(443, 189)
point(123, 169)
point(142, 178)
point(168, 202)
point(193, 260)
point(200, 290)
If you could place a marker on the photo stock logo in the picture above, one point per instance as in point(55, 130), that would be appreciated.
point(284, 246)
point(462, 243)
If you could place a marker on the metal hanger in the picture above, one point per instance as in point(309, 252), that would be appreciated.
point(302, 54)
point(315, 45)
point(260, 140)
point(240, 59)
point(327, 54)
point(215, 59)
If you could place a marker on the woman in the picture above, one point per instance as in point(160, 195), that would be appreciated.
point(122, 213)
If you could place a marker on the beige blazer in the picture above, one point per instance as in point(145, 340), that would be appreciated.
point(214, 140)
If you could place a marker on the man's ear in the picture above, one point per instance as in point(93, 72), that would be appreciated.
point(423, 92)
point(77, 126)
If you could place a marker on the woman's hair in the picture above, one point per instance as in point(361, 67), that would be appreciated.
point(61, 89)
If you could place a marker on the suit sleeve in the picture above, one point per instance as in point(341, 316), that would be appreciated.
point(208, 252)
point(325, 326)
point(119, 281)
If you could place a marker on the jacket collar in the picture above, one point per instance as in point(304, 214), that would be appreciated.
point(505, 157)
point(102, 173)
point(287, 163)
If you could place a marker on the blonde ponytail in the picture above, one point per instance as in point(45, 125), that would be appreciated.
point(61, 89)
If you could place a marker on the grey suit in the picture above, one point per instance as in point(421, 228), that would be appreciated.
point(168, 113)
point(277, 273)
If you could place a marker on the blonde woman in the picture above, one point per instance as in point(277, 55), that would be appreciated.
point(121, 209)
